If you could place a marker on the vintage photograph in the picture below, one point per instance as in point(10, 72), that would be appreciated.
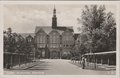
point(59, 39)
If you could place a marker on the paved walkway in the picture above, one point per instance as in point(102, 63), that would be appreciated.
point(55, 67)
point(98, 67)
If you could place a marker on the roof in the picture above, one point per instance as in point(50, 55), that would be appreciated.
point(63, 28)
point(24, 35)
point(48, 29)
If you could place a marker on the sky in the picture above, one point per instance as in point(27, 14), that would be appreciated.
point(23, 18)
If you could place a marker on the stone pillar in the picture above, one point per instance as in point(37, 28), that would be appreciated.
point(108, 61)
point(101, 61)
point(11, 60)
point(19, 59)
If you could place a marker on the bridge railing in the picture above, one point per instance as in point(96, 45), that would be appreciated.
point(108, 58)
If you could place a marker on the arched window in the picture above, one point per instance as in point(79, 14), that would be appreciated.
point(67, 39)
point(41, 39)
point(54, 38)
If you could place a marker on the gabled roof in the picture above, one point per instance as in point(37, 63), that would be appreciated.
point(24, 35)
point(63, 28)
point(48, 29)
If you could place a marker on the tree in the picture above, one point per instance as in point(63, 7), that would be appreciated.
point(109, 30)
point(99, 27)
point(9, 41)
point(5, 41)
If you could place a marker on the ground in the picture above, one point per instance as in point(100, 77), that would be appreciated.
point(55, 67)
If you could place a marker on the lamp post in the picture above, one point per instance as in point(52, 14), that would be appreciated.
point(34, 54)
point(18, 55)
point(60, 50)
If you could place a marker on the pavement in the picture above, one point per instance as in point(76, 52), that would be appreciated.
point(98, 67)
point(55, 67)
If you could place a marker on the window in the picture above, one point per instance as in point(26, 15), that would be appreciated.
point(54, 39)
point(42, 39)
point(66, 45)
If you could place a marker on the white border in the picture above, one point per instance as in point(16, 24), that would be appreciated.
point(52, 3)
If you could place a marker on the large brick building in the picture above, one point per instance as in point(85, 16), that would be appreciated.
point(54, 41)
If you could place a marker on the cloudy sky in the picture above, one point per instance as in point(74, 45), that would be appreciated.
point(24, 18)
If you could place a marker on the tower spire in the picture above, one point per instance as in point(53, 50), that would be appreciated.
point(54, 10)
point(54, 18)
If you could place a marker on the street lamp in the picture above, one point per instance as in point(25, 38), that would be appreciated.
point(18, 55)
point(60, 50)
point(34, 53)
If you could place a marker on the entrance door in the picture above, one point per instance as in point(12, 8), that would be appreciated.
point(54, 55)
point(43, 53)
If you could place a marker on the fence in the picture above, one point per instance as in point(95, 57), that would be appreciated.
point(102, 57)
point(13, 59)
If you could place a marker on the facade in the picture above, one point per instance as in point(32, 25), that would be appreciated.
point(53, 41)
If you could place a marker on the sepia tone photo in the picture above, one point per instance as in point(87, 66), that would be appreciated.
point(45, 39)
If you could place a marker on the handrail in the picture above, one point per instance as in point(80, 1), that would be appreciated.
point(100, 53)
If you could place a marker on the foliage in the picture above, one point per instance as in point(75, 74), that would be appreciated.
point(100, 29)
point(14, 42)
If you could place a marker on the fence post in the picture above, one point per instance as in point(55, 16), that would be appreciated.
point(11, 61)
point(108, 61)
point(101, 61)
point(19, 60)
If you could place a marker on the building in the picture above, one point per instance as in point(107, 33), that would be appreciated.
point(53, 41)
